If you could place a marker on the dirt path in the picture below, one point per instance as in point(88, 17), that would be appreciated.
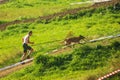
point(62, 50)
point(60, 14)
point(6, 72)
point(3, 1)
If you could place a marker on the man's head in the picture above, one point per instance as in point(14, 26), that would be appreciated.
point(30, 33)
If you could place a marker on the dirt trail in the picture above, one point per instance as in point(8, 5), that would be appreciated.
point(3, 1)
point(60, 14)
point(6, 72)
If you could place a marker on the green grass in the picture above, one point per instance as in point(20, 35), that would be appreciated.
point(84, 63)
point(45, 35)
point(24, 9)
point(87, 59)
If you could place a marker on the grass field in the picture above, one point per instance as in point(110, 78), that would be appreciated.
point(85, 62)
point(23, 9)
point(89, 27)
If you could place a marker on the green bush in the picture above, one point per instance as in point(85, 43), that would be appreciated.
point(116, 45)
point(83, 58)
point(1, 22)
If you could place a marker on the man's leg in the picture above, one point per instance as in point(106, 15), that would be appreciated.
point(23, 56)
point(30, 52)
point(25, 52)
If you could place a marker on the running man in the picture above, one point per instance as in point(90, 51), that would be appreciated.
point(26, 47)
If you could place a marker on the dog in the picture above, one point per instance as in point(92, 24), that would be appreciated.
point(71, 40)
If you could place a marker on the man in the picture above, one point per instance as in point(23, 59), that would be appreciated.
point(26, 47)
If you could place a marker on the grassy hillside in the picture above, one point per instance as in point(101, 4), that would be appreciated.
point(86, 62)
point(24, 9)
point(91, 25)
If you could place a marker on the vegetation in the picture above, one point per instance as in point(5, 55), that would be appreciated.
point(85, 62)
point(48, 34)
point(85, 58)
point(24, 9)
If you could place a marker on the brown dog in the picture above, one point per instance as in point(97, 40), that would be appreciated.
point(68, 41)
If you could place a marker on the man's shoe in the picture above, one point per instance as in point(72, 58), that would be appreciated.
point(22, 62)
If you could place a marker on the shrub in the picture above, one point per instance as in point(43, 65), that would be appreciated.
point(1, 22)
point(116, 45)
point(82, 58)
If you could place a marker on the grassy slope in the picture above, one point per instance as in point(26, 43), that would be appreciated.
point(23, 9)
point(95, 26)
point(46, 34)
point(86, 62)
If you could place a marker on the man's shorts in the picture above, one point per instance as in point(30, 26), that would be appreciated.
point(26, 47)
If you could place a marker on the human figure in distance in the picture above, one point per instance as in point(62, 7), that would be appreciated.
point(26, 47)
